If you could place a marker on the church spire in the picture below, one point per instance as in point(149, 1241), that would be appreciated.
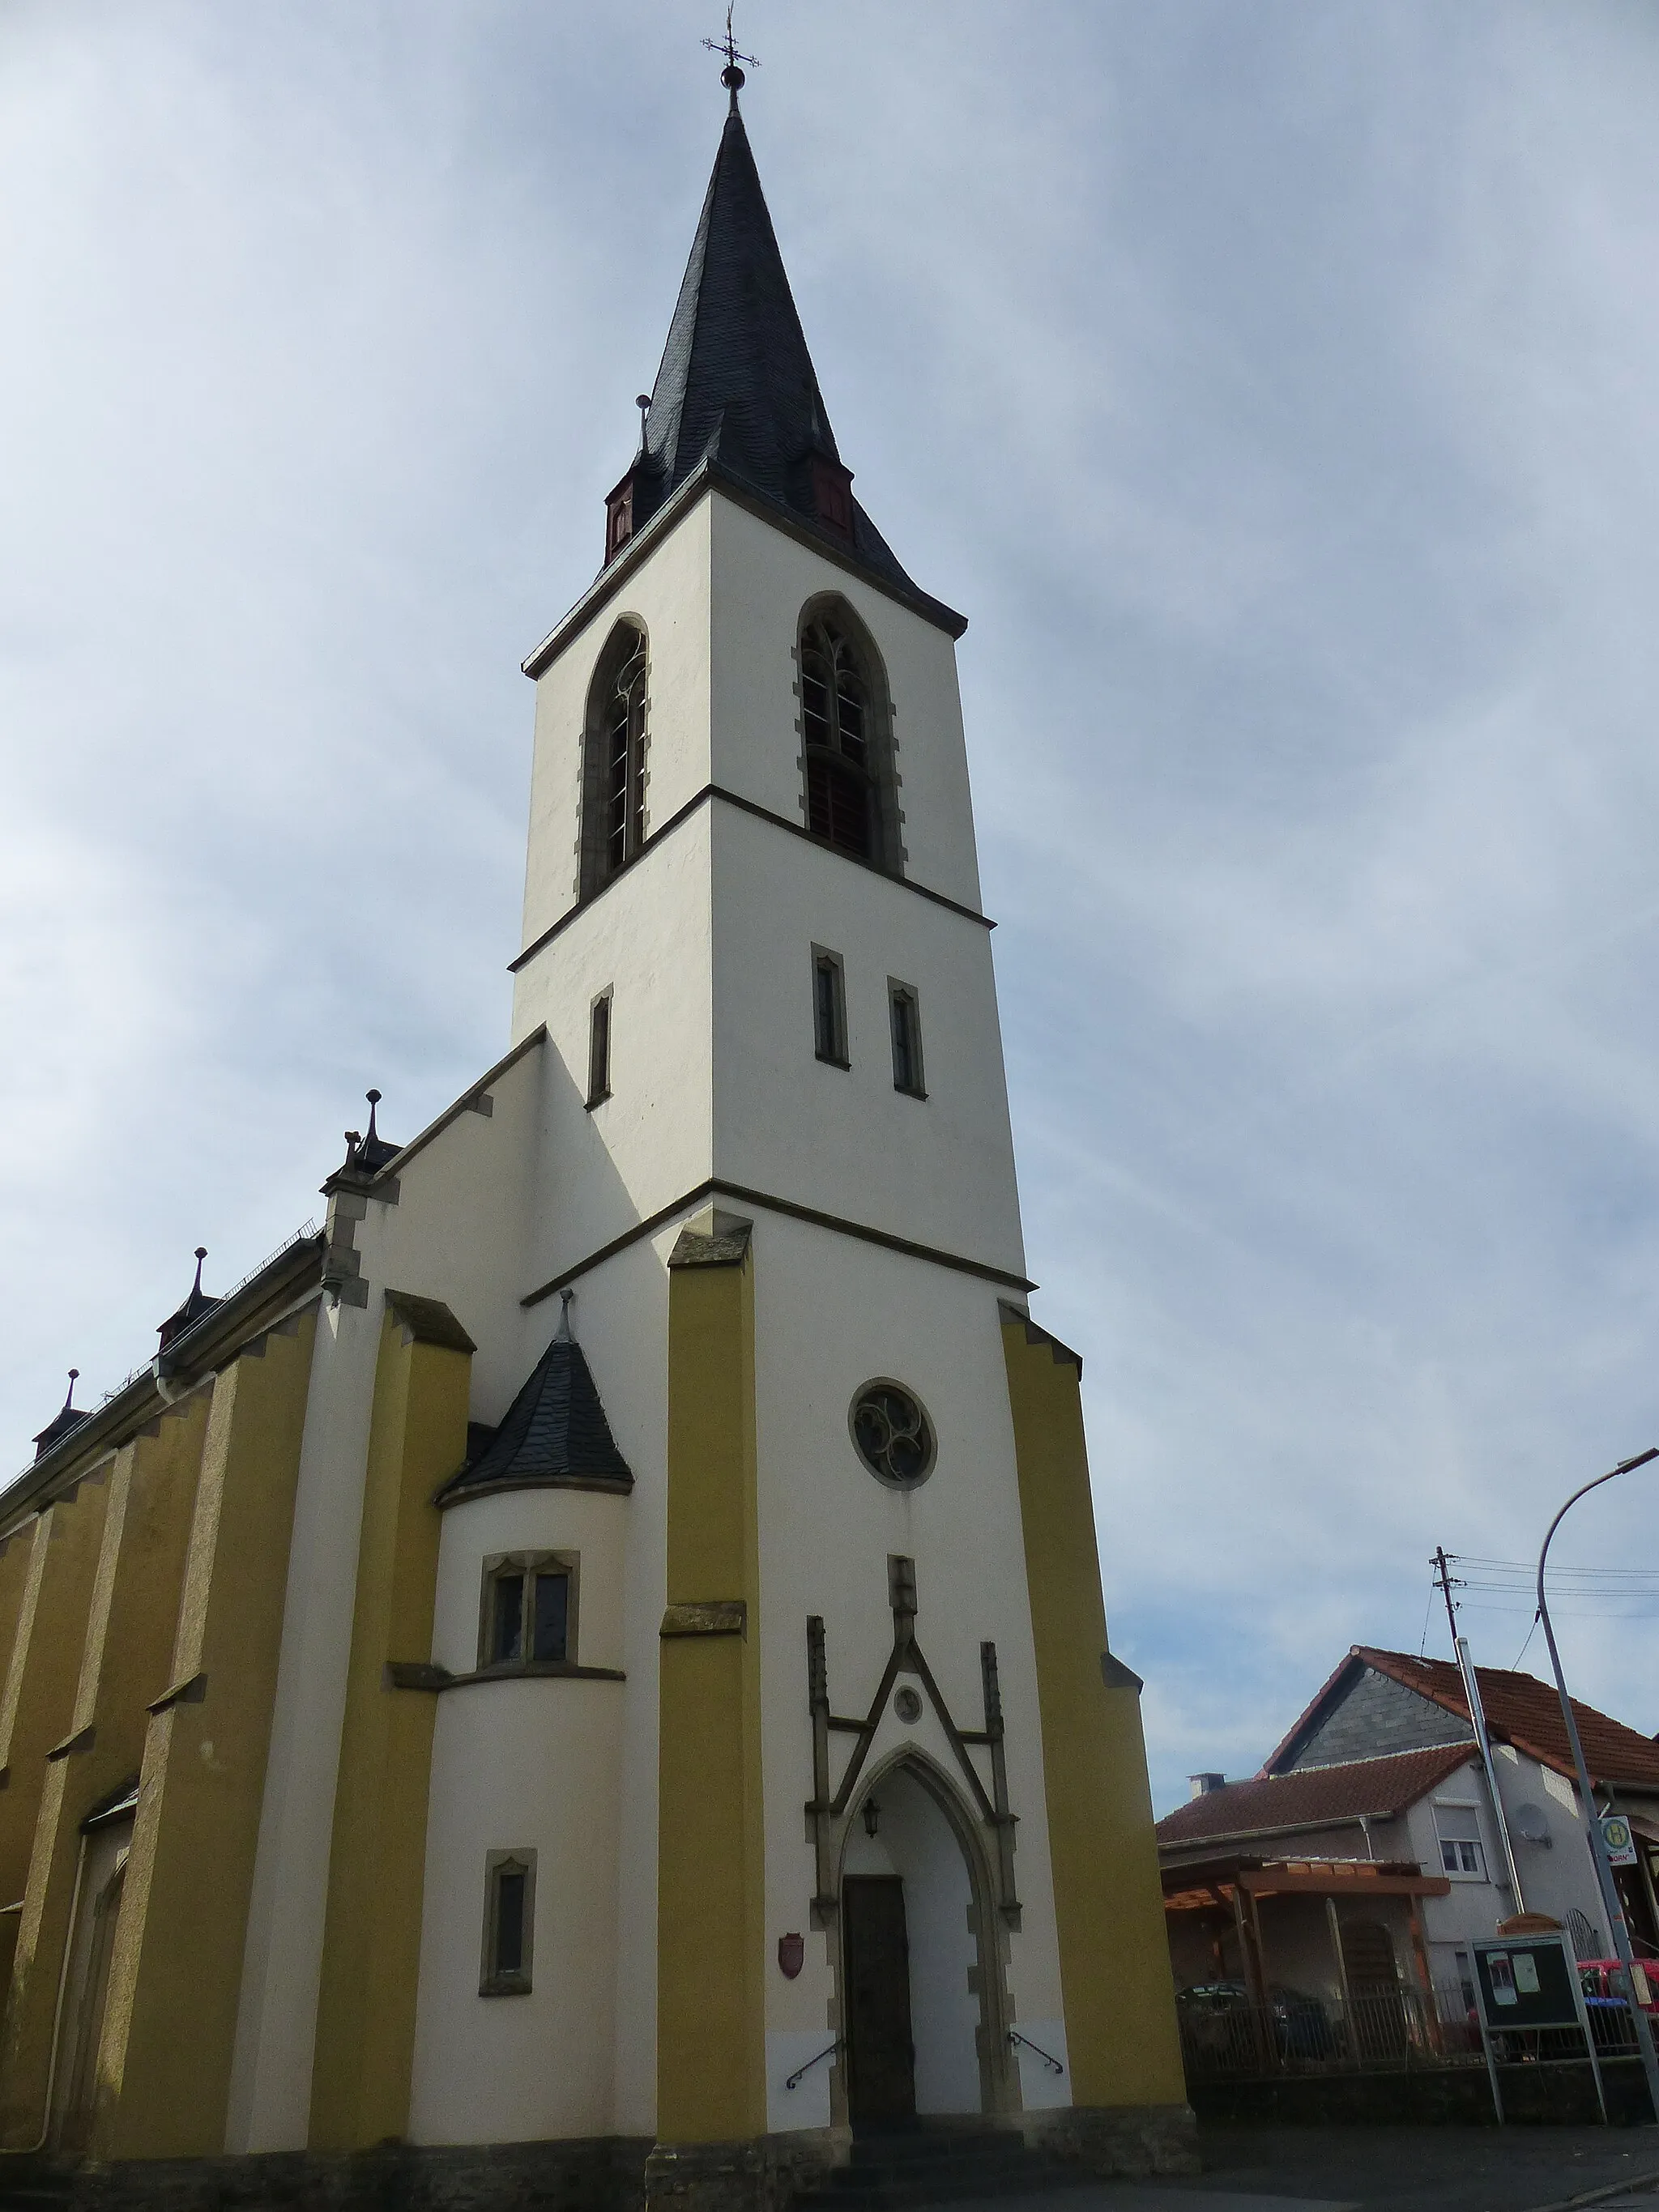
point(736, 376)
point(736, 389)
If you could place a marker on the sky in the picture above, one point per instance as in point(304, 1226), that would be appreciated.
point(1272, 386)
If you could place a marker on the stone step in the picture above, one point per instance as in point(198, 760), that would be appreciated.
point(887, 2174)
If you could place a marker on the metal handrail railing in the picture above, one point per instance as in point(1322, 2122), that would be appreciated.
point(795, 2079)
point(1048, 2057)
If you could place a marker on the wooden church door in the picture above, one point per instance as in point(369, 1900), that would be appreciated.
point(881, 2070)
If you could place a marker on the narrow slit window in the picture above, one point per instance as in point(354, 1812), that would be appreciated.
point(599, 1049)
point(828, 1008)
point(905, 1016)
point(509, 1923)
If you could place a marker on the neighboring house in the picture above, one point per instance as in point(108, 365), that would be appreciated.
point(1366, 1848)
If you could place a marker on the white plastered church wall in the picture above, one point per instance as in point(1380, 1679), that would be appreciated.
point(269, 2102)
point(457, 1232)
point(668, 593)
point(831, 1313)
point(647, 940)
point(531, 1764)
point(939, 1171)
point(763, 578)
point(566, 1767)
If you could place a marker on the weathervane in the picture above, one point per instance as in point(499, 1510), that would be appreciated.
point(731, 75)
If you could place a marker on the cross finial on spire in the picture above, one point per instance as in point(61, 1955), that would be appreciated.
point(731, 76)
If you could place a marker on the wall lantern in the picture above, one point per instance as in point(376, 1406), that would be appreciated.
point(872, 1816)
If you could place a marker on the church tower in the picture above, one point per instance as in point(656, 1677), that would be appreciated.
point(595, 1665)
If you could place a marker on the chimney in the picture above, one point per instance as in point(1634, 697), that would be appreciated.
point(1201, 1784)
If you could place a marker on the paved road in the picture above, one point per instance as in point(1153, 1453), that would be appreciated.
point(1389, 2170)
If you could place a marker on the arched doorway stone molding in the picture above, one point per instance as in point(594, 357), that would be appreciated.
point(970, 1795)
point(980, 1952)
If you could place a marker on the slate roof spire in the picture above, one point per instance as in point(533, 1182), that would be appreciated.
point(737, 387)
point(736, 371)
point(555, 1432)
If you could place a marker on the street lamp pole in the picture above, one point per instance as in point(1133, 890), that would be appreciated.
point(1598, 1846)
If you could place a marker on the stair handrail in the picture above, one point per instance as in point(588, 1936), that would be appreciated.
point(1047, 2056)
point(795, 2079)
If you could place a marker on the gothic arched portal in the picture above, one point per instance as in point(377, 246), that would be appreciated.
point(921, 1986)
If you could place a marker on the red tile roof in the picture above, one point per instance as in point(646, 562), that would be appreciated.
point(1526, 1712)
point(1380, 1787)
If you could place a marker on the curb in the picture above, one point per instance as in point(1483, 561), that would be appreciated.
point(1599, 2196)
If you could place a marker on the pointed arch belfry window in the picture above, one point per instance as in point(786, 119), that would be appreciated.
point(847, 749)
point(613, 764)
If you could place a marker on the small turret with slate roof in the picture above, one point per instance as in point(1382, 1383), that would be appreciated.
point(196, 1303)
point(69, 1416)
point(555, 1432)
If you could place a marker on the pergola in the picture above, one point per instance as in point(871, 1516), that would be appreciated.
point(1234, 1886)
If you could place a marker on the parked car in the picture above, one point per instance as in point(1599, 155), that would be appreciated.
point(1214, 2017)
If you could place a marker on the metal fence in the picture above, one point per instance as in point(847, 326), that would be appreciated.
point(1372, 2032)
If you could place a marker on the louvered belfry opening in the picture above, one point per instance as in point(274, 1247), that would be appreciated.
point(624, 755)
point(835, 697)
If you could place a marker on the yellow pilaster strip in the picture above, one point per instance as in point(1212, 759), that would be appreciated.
point(711, 1932)
point(176, 1971)
point(59, 1562)
point(365, 2042)
point(130, 1623)
point(1121, 2034)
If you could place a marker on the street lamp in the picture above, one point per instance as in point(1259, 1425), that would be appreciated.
point(1598, 1846)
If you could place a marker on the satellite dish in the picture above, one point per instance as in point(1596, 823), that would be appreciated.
point(1531, 1823)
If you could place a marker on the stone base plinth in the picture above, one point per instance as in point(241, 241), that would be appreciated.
point(1117, 2138)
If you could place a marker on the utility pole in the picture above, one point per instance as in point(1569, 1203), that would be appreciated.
point(1446, 1582)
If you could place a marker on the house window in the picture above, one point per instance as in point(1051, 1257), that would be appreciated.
point(613, 762)
point(828, 1008)
point(528, 1612)
point(599, 1049)
point(509, 1923)
point(905, 1014)
point(1458, 1828)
